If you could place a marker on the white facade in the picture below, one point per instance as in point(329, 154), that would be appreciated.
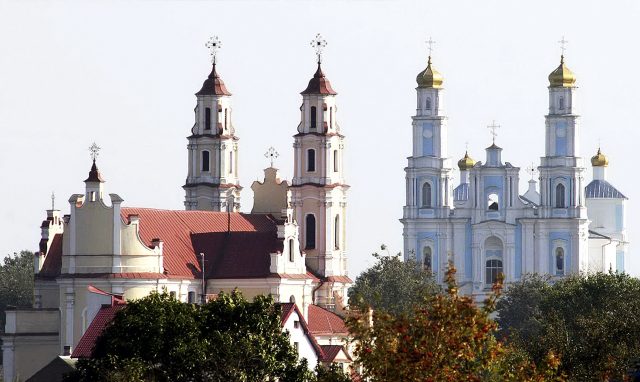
point(484, 226)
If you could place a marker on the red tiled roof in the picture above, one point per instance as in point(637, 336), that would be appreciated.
point(322, 321)
point(319, 84)
point(340, 279)
point(213, 85)
point(53, 260)
point(330, 352)
point(104, 317)
point(235, 245)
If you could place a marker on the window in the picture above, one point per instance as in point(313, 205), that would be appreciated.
point(428, 105)
point(296, 324)
point(313, 117)
point(336, 234)
point(426, 195)
point(311, 160)
point(172, 294)
point(427, 258)
point(493, 269)
point(331, 117)
point(310, 232)
point(559, 261)
point(225, 119)
point(92, 196)
point(296, 346)
point(205, 161)
point(292, 299)
point(191, 297)
point(291, 251)
point(561, 103)
point(560, 196)
point(335, 160)
point(493, 202)
point(207, 118)
point(230, 162)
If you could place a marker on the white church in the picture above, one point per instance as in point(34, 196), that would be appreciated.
point(484, 225)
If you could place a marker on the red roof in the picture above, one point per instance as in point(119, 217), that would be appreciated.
point(104, 317)
point(213, 85)
point(53, 260)
point(287, 309)
point(322, 321)
point(330, 352)
point(319, 84)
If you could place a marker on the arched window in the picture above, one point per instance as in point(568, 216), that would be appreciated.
point(336, 233)
point(291, 250)
point(205, 161)
point(191, 297)
point(493, 269)
point(426, 195)
point(560, 196)
point(314, 116)
point(292, 299)
point(335, 160)
point(230, 162)
point(225, 119)
point(493, 202)
point(311, 160)
point(427, 258)
point(428, 105)
point(559, 261)
point(331, 117)
point(207, 118)
point(310, 232)
point(561, 103)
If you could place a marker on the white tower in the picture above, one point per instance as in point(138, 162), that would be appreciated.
point(562, 169)
point(318, 185)
point(212, 182)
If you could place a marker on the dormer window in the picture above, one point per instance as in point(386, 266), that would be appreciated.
point(313, 117)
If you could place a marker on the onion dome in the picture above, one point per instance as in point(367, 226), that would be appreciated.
point(429, 78)
point(599, 160)
point(319, 84)
point(562, 76)
point(466, 163)
point(94, 174)
point(213, 85)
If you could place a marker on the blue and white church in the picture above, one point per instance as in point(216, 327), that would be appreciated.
point(484, 226)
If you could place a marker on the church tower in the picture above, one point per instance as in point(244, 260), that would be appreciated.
point(561, 169)
point(212, 181)
point(319, 192)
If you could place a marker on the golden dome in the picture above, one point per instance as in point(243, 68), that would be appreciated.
point(599, 160)
point(562, 76)
point(466, 163)
point(429, 78)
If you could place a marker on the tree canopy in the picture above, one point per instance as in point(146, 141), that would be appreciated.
point(158, 338)
point(16, 282)
point(392, 285)
point(592, 321)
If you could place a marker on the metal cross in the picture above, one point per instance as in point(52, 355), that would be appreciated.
point(53, 200)
point(272, 154)
point(532, 170)
point(213, 44)
point(466, 146)
point(563, 44)
point(430, 44)
point(94, 150)
point(318, 44)
point(493, 127)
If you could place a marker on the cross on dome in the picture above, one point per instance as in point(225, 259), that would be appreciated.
point(213, 44)
point(94, 150)
point(272, 155)
point(493, 127)
point(319, 43)
point(563, 45)
point(430, 44)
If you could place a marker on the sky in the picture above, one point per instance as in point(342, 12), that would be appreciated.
point(124, 74)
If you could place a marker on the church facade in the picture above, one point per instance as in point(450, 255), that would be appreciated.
point(291, 246)
point(484, 225)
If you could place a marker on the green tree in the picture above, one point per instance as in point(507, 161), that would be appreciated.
point(16, 282)
point(331, 373)
point(592, 321)
point(392, 285)
point(158, 338)
point(447, 338)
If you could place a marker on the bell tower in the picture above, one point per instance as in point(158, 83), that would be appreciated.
point(319, 192)
point(212, 181)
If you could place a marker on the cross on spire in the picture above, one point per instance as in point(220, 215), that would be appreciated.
point(493, 127)
point(213, 44)
point(94, 150)
point(53, 200)
point(563, 44)
point(430, 44)
point(532, 170)
point(272, 155)
point(319, 43)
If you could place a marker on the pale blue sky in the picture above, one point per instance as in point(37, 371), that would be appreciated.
point(123, 74)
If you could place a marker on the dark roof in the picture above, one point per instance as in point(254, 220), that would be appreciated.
point(213, 85)
point(94, 174)
point(330, 352)
point(319, 84)
point(105, 315)
point(601, 189)
point(322, 321)
point(54, 370)
point(53, 259)
point(461, 192)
